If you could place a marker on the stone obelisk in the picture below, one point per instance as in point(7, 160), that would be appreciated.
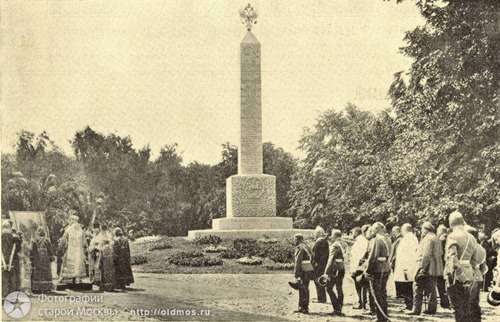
point(251, 194)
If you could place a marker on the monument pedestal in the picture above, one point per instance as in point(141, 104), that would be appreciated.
point(251, 227)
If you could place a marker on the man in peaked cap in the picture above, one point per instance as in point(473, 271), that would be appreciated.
point(335, 271)
point(378, 269)
point(303, 272)
point(458, 271)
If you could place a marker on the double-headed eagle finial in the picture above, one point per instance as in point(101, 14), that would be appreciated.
point(248, 15)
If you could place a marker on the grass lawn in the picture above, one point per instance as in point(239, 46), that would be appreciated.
point(157, 260)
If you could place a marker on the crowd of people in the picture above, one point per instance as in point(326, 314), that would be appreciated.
point(99, 257)
point(454, 264)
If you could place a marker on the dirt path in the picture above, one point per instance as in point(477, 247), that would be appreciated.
point(227, 297)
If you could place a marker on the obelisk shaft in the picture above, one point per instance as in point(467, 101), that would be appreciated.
point(250, 151)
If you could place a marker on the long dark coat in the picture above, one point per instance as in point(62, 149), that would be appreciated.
point(41, 257)
point(123, 268)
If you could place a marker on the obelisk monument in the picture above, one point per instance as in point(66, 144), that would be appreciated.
point(251, 194)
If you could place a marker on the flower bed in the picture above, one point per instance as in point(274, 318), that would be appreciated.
point(249, 261)
point(194, 259)
point(159, 245)
point(214, 249)
point(208, 240)
point(148, 239)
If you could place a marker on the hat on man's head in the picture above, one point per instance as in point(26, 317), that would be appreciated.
point(429, 226)
point(298, 236)
point(456, 219)
point(118, 232)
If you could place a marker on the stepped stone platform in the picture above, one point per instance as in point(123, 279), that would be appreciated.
point(251, 227)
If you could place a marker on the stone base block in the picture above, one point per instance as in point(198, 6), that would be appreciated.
point(251, 233)
point(251, 195)
point(252, 223)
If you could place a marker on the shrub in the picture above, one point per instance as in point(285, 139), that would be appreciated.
point(208, 240)
point(279, 267)
point(194, 259)
point(214, 249)
point(281, 252)
point(230, 253)
point(138, 260)
point(278, 251)
point(159, 245)
point(249, 261)
point(246, 246)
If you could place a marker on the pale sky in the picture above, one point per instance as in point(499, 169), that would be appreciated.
point(168, 71)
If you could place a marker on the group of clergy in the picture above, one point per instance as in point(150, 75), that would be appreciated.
point(452, 262)
point(103, 256)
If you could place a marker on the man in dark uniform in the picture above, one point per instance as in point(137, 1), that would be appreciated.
point(320, 254)
point(444, 301)
point(458, 271)
point(335, 272)
point(378, 269)
point(430, 266)
point(303, 272)
point(491, 259)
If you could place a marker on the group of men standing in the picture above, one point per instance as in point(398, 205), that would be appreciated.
point(103, 256)
point(451, 262)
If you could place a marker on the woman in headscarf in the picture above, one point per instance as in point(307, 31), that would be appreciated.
point(107, 266)
point(123, 268)
point(95, 257)
point(11, 246)
point(41, 257)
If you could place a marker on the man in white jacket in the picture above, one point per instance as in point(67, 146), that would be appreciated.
point(358, 250)
point(406, 264)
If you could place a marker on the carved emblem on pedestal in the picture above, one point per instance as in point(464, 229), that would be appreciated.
point(254, 188)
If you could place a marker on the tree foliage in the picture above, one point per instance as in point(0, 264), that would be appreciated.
point(108, 180)
point(434, 151)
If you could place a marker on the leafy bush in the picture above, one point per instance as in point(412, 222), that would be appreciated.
point(278, 251)
point(279, 267)
point(194, 259)
point(246, 246)
point(230, 253)
point(138, 260)
point(214, 249)
point(160, 245)
point(208, 240)
point(249, 261)
point(281, 252)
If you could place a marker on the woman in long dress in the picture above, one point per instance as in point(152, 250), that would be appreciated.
point(95, 257)
point(73, 262)
point(108, 276)
point(41, 258)
point(123, 268)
